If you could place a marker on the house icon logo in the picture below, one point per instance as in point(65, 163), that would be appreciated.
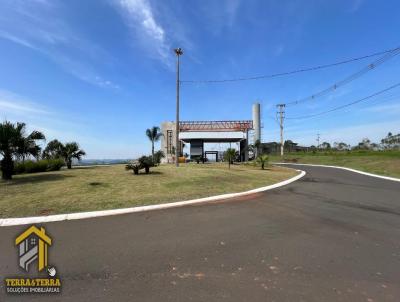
point(32, 245)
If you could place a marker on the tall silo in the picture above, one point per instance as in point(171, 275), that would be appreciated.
point(257, 121)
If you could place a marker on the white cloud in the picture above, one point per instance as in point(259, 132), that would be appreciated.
point(142, 10)
point(41, 27)
point(16, 40)
point(85, 73)
point(15, 104)
point(140, 17)
point(54, 124)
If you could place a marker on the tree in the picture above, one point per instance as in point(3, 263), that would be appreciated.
point(154, 135)
point(229, 155)
point(341, 146)
point(146, 162)
point(289, 145)
point(71, 151)
point(14, 143)
point(365, 144)
point(326, 146)
point(262, 160)
point(53, 150)
point(374, 146)
point(158, 156)
point(391, 141)
point(27, 145)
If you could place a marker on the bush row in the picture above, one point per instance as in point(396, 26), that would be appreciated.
point(44, 165)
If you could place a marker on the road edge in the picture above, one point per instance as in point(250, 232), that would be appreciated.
point(84, 215)
point(343, 168)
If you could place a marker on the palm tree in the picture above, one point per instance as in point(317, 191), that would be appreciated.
point(54, 149)
point(70, 151)
point(27, 145)
point(154, 135)
point(229, 155)
point(262, 160)
point(14, 143)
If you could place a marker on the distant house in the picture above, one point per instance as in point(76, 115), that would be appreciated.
point(274, 147)
point(269, 148)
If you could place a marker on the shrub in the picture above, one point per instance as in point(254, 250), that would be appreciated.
point(144, 162)
point(34, 166)
point(262, 160)
point(19, 168)
point(55, 164)
point(134, 165)
point(31, 166)
point(197, 158)
point(158, 156)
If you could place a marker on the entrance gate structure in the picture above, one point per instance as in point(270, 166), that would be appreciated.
point(197, 133)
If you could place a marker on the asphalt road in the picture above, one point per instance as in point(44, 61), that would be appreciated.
point(331, 236)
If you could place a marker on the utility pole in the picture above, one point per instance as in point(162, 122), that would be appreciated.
point(281, 118)
point(178, 52)
point(318, 141)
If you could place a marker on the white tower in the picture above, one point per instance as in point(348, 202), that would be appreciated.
point(257, 121)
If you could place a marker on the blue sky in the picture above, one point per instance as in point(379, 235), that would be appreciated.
point(102, 71)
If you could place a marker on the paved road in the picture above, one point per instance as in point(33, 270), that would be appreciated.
point(331, 236)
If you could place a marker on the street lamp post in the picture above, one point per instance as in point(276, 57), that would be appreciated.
point(178, 52)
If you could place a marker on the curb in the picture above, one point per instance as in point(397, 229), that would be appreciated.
point(83, 215)
point(343, 168)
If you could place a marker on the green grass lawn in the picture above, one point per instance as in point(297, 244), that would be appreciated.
point(383, 163)
point(110, 187)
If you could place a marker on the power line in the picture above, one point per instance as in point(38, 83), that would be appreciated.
point(348, 79)
point(385, 99)
point(260, 77)
point(345, 105)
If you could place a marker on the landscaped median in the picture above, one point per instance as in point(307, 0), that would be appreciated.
point(111, 187)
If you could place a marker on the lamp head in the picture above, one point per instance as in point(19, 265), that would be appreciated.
point(178, 51)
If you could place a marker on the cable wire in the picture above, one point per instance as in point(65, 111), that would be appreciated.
point(350, 78)
point(345, 105)
point(291, 72)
